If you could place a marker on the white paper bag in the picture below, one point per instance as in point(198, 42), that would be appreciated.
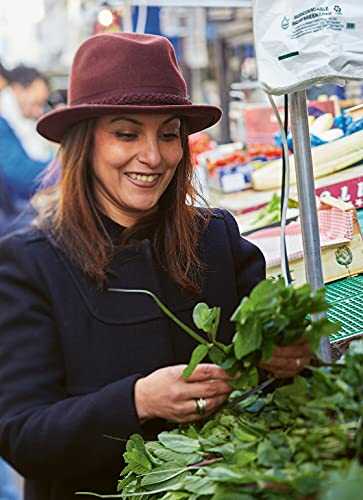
point(303, 42)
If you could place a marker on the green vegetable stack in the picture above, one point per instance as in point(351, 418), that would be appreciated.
point(303, 440)
point(271, 213)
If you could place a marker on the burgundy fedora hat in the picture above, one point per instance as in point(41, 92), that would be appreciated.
point(125, 72)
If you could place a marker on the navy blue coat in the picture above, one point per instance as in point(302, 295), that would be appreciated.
point(70, 354)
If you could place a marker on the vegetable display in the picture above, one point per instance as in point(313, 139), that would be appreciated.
point(327, 159)
point(302, 439)
point(270, 214)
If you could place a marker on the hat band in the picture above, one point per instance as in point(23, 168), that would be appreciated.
point(151, 99)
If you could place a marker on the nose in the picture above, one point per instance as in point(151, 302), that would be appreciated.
point(149, 153)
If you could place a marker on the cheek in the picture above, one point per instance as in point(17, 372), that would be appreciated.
point(174, 157)
point(107, 158)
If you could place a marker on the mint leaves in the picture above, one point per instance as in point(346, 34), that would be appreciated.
point(303, 441)
point(296, 441)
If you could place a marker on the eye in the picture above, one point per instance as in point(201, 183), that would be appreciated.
point(126, 136)
point(170, 136)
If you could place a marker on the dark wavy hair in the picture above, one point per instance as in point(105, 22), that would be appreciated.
point(68, 209)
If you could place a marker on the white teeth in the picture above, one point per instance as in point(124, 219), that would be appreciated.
point(143, 177)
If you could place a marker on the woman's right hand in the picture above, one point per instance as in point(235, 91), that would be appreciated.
point(166, 394)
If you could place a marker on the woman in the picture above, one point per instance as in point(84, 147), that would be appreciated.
point(79, 363)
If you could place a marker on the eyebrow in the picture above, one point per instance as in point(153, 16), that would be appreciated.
point(137, 122)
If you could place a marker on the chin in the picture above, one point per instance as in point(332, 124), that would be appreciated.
point(143, 207)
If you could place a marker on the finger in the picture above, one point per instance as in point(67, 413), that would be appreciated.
point(189, 411)
point(288, 370)
point(291, 361)
point(292, 351)
point(208, 389)
point(286, 364)
point(215, 404)
point(207, 371)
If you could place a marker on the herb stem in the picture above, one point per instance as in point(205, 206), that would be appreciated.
point(166, 311)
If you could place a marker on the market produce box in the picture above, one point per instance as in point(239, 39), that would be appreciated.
point(346, 185)
point(340, 238)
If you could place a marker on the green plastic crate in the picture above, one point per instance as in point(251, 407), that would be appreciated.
point(346, 299)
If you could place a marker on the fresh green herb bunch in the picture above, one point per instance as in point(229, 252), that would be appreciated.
point(279, 446)
point(304, 440)
point(274, 314)
point(294, 443)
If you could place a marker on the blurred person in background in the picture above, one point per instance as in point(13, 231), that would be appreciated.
point(4, 77)
point(5, 204)
point(23, 154)
point(9, 489)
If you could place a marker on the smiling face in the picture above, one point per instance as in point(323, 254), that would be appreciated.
point(135, 157)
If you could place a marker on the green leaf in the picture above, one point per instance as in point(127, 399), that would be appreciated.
point(244, 457)
point(225, 474)
point(196, 484)
point(344, 485)
point(318, 329)
point(225, 492)
point(170, 456)
point(171, 485)
point(176, 495)
point(268, 455)
point(122, 483)
point(135, 455)
point(268, 346)
point(176, 442)
point(226, 450)
point(265, 291)
point(242, 311)
point(246, 340)
point(217, 356)
point(161, 474)
point(243, 436)
point(199, 353)
point(207, 318)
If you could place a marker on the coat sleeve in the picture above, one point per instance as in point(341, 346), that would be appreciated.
point(44, 433)
point(249, 261)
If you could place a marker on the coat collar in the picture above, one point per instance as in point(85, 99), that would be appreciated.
point(133, 267)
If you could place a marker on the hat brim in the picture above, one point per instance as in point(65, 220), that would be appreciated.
point(55, 124)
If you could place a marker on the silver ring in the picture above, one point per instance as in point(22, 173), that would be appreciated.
point(201, 406)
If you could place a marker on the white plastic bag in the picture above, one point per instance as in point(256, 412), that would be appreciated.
point(303, 42)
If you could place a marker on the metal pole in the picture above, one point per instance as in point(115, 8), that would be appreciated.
point(222, 76)
point(307, 201)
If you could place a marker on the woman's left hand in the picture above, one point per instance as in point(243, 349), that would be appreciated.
point(288, 361)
